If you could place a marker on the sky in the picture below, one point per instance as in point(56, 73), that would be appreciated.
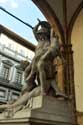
point(27, 11)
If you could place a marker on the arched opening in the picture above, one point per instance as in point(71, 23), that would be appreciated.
point(77, 43)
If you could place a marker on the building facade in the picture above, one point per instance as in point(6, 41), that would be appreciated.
point(11, 73)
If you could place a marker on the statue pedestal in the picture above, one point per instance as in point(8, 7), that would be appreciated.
point(45, 111)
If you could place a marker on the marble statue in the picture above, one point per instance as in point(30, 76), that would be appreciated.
point(39, 74)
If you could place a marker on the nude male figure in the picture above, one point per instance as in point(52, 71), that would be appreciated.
point(46, 51)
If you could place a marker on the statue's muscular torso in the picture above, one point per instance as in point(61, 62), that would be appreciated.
point(41, 48)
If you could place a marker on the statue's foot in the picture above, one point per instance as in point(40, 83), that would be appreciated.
point(9, 112)
point(61, 95)
point(4, 106)
point(43, 92)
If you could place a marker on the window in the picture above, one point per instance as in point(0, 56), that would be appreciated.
point(6, 67)
point(18, 76)
point(5, 71)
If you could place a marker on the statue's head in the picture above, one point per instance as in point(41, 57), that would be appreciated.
point(43, 29)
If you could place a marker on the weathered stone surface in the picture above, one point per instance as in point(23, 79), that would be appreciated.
point(44, 110)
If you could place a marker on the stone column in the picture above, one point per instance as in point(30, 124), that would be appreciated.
point(69, 77)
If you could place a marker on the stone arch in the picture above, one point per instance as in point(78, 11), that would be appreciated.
point(74, 17)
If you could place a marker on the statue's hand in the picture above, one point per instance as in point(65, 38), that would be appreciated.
point(63, 61)
point(24, 63)
point(53, 34)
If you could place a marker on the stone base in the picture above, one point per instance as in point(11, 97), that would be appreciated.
point(44, 111)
